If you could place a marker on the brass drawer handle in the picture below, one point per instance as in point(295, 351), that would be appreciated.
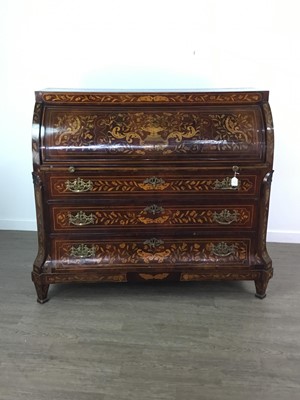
point(229, 183)
point(222, 249)
point(81, 219)
point(154, 183)
point(225, 184)
point(225, 217)
point(153, 214)
point(153, 209)
point(82, 251)
point(153, 243)
point(79, 185)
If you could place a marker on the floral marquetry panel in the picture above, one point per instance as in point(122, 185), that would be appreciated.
point(89, 133)
point(92, 219)
point(151, 251)
point(93, 185)
point(115, 98)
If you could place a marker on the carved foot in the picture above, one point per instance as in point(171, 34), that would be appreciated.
point(260, 296)
point(41, 288)
point(261, 284)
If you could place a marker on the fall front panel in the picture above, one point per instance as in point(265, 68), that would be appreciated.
point(99, 134)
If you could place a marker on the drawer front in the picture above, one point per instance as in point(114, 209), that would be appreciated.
point(88, 218)
point(232, 132)
point(91, 185)
point(150, 251)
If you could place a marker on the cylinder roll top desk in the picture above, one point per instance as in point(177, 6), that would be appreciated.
point(152, 186)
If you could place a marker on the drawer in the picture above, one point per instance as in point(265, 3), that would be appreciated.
point(83, 185)
point(82, 218)
point(147, 250)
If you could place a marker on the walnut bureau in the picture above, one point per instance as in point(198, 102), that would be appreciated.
point(152, 186)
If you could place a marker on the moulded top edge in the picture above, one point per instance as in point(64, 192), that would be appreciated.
point(154, 97)
point(149, 90)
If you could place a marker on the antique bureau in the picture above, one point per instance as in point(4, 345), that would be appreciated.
point(152, 186)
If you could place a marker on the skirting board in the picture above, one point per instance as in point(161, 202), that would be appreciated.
point(18, 225)
point(272, 236)
point(283, 236)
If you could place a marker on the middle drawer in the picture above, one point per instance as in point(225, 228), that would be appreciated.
point(81, 217)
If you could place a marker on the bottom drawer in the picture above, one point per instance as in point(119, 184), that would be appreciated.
point(132, 253)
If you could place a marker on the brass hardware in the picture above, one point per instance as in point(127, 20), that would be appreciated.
point(152, 219)
point(225, 184)
point(234, 180)
point(154, 181)
point(153, 209)
point(71, 169)
point(225, 217)
point(222, 249)
point(81, 218)
point(229, 183)
point(79, 185)
point(82, 251)
point(152, 243)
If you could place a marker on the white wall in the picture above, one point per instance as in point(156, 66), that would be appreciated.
point(147, 44)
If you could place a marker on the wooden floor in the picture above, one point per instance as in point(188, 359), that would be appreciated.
point(179, 341)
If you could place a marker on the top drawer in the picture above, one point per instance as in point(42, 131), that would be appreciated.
point(90, 134)
point(215, 182)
